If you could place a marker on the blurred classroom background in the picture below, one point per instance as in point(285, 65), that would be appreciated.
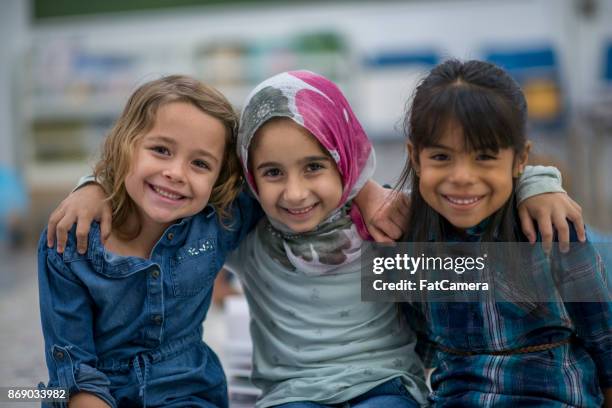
point(67, 67)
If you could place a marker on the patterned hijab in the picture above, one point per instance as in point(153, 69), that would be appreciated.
point(317, 104)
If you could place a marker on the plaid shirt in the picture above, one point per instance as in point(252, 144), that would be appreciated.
point(570, 374)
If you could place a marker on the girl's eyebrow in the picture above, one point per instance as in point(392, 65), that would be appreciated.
point(438, 146)
point(172, 142)
point(162, 138)
point(268, 164)
point(314, 158)
point(306, 159)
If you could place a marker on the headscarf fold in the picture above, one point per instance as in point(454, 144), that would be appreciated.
point(317, 104)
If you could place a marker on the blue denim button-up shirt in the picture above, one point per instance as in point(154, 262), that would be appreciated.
point(99, 310)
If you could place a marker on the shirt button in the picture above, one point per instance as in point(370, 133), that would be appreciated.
point(157, 319)
point(155, 273)
point(170, 236)
point(59, 355)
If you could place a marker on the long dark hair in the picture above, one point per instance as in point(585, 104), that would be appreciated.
point(490, 108)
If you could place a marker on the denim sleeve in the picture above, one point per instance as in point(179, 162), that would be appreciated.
point(246, 213)
point(538, 180)
point(67, 323)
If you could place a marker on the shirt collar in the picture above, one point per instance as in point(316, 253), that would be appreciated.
point(478, 229)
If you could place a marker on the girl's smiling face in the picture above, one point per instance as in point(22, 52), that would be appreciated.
point(463, 186)
point(176, 164)
point(298, 183)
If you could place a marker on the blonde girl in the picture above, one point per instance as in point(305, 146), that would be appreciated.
point(123, 322)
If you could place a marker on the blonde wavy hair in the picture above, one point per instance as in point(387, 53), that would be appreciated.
point(138, 117)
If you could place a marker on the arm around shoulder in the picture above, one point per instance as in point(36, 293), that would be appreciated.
point(245, 214)
point(539, 180)
point(85, 204)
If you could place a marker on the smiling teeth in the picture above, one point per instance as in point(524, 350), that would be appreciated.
point(166, 194)
point(463, 201)
point(302, 211)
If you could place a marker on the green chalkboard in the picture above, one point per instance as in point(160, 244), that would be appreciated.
point(43, 9)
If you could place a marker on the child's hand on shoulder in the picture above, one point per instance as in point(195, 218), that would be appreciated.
point(551, 210)
point(390, 221)
point(82, 206)
point(385, 211)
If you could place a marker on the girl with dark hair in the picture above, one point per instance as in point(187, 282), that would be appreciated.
point(467, 147)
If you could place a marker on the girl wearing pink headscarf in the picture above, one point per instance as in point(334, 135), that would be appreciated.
point(305, 156)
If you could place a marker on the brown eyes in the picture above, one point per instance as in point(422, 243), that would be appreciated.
point(439, 157)
point(312, 167)
point(309, 169)
point(201, 164)
point(164, 151)
point(273, 172)
point(160, 150)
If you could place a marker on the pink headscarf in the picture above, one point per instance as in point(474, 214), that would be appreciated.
point(317, 104)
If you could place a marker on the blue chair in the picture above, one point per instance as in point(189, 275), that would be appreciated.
point(13, 206)
point(537, 70)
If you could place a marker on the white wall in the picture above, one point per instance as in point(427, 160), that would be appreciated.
point(459, 28)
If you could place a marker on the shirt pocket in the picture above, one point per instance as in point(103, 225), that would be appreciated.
point(193, 268)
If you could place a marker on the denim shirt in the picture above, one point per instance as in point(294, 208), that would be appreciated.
point(99, 310)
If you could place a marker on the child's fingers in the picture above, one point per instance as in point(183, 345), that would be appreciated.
point(575, 205)
point(396, 216)
point(105, 224)
point(389, 228)
point(563, 231)
point(61, 232)
point(546, 231)
point(402, 207)
point(575, 216)
point(379, 236)
point(527, 224)
point(54, 218)
point(580, 230)
point(393, 228)
point(82, 234)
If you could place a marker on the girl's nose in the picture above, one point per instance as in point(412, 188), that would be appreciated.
point(174, 172)
point(462, 173)
point(295, 191)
